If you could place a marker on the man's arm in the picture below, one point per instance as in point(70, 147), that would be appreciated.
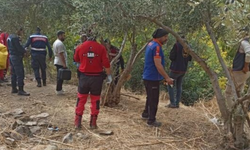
point(161, 70)
point(61, 55)
point(106, 65)
point(49, 48)
point(108, 71)
point(159, 66)
point(27, 43)
point(246, 47)
point(76, 54)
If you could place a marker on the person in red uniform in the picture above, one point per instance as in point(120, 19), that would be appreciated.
point(3, 40)
point(114, 51)
point(92, 57)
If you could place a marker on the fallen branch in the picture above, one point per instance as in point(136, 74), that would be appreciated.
point(130, 96)
point(146, 144)
point(53, 141)
point(93, 133)
point(173, 131)
point(156, 142)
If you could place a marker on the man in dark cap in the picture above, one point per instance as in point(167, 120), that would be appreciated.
point(38, 44)
point(17, 52)
point(153, 73)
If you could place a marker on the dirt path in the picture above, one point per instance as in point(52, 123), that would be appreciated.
point(183, 128)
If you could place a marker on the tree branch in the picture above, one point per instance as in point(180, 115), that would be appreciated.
point(160, 15)
point(139, 53)
point(121, 49)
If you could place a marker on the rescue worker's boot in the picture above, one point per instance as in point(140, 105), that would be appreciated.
point(78, 122)
point(22, 92)
point(39, 84)
point(14, 90)
point(92, 123)
point(44, 83)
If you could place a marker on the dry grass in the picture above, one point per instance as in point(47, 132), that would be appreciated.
point(183, 128)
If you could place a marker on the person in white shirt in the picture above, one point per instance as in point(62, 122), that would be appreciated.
point(60, 60)
point(240, 72)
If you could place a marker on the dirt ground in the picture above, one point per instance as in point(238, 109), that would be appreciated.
point(183, 129)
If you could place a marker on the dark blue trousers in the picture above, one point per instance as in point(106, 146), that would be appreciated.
point(151, 106)
point(38, 61)
point(17, 70)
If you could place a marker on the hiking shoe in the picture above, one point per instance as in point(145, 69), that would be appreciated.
point(60, 92)
point(144, 116)
point(39, 85)
point(154, 124)
point(172, 106)
point(92, 123)
point(78, 121)
point(14, 90)
point(23, 93)
point(77, 128)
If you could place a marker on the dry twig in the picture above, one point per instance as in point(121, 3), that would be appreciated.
point(130, 96)
point(53, 141)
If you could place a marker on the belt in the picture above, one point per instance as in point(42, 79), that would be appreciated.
point(95, 74)
point(38, 49)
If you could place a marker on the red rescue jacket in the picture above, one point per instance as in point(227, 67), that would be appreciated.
point(92, 57)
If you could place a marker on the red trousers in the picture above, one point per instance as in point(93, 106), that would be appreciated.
point(1, 74)
point(82, 99)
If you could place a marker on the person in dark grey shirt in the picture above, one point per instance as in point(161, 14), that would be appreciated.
point(17, 52)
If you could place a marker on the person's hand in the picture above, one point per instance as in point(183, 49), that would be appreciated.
point(170, 81)
point(245, 69)
point(109, 79)
point(64, 67)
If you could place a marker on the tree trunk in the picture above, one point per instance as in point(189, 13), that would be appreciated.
point(113, 91)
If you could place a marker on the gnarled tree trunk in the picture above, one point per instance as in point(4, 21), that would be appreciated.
point(111, 96)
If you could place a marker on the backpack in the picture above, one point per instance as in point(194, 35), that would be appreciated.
point(3, 56)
